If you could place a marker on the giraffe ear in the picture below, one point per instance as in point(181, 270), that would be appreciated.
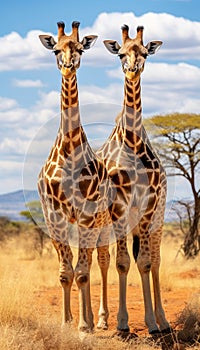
point(48, 41)
point(88, 41)
point(153, 46)
point(112, 46)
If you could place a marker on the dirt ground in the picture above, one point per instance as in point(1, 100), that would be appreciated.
point(50, 299)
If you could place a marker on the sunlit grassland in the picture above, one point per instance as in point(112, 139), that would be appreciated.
point(23, 272)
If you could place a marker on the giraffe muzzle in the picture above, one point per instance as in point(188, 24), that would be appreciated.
point(134, 69)
point(67, 71)
point(132, 75)
point(69, 66)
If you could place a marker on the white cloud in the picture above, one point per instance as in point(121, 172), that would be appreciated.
point(14, 146)
point(92, 94)
point(28, 83)
point(7, 103)
point(180, 36)
point(181, 74)
point(9, 166)
point(18, 53)
point(156, 73)
point(20, 125)
point(10, 175)
point(49, 100)
point(17, 118)
point(168, 87)
point(13, 115)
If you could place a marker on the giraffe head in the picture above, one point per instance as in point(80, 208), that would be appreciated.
point(68, 49)
point(132, 52)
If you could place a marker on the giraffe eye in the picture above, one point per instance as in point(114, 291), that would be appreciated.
point(145, 55)
point(121, 56)
point(56, 52)
point(80, 51)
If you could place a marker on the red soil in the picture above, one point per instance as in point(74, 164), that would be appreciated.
point(50, 300)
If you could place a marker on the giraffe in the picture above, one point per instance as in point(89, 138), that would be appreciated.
point(136, 169)
point(73, 184)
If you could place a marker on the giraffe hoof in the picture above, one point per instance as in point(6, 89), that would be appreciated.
point(84, 329)
point(90, 326)
point(167, 330)
point(155, 334)
point(126, 336)
point(102, 325)
point(65, 325)
point(123, 330)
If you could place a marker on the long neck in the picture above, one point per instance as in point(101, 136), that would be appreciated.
point(71, 133)
point(70, 116)
point(131, 119)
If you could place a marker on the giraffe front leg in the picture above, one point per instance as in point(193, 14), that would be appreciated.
point(144, 267)
point(66, 275)
point(122, 265)
point(103, 261)
point(82, 278)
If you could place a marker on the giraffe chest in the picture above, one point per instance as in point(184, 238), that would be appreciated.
point(76, 187)
point(135, 171)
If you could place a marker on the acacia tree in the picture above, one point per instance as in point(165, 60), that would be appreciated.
point(35, 215)
point(177, 140)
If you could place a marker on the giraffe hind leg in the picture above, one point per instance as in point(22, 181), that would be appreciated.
point(159, 311)
point(150, 321)
point(82, 278)
point(144, 267)
point(89, 313)
point(87, 243)
point(155, 257)
point(123, 265)
point(103, 261)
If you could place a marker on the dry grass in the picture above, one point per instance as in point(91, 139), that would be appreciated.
point(22, 273)
point(189, 320)
point(48, 336)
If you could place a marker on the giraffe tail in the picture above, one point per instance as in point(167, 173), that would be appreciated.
point(136, 247)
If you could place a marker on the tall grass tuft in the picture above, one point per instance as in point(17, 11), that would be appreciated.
point(189, 321)
point(16, 297)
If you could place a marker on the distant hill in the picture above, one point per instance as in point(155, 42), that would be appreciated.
point(11, 204)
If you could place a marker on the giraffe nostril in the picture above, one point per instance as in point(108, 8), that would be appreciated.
point(67, 65)
point(132, 69)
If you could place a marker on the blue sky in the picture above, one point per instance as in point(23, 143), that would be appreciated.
point(30, 81)
point(23, 16)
